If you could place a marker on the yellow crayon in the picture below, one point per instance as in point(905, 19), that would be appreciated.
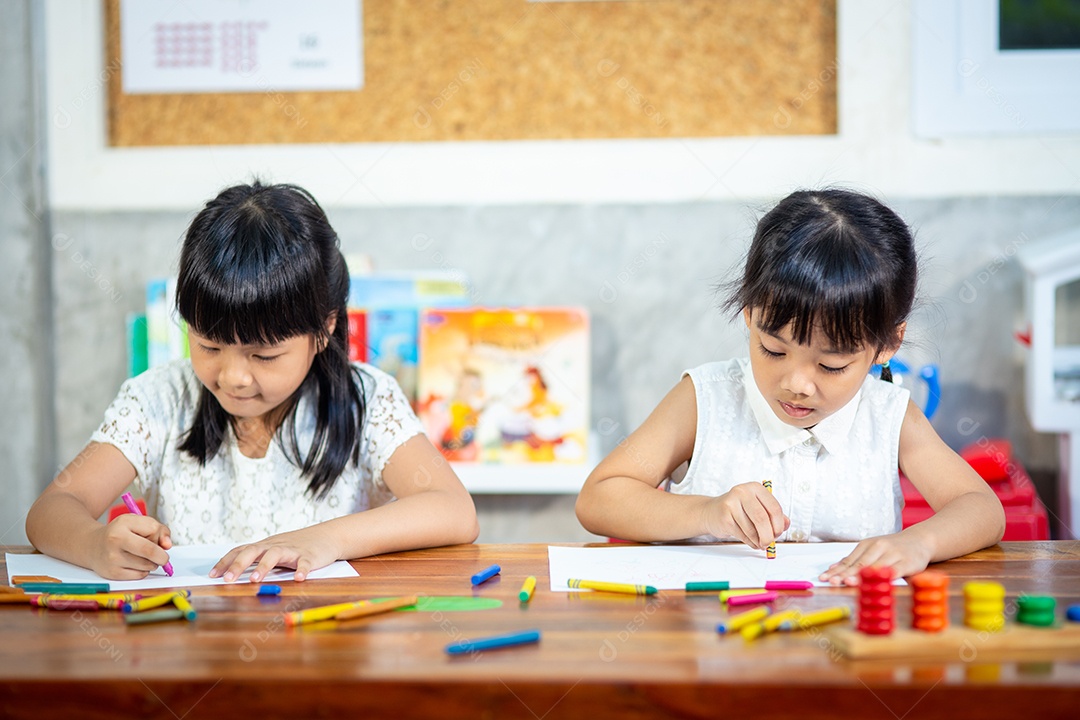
point(527, 589)
point(770, 552)
point(725, 594)
point(325, 612)
point(182, 604)
point(375, 608)
point(612, 587)
point(821, 617)
point(153, 601)
point(111, 601)
point(741, 620)
point(773, 622)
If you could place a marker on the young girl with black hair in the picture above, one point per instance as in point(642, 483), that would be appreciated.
point(268, 437)
point(827, 288)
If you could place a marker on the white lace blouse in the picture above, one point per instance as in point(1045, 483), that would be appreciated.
point(838, 481)
point(234, 498)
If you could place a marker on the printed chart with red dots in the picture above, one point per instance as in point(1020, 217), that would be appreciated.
point(233, 46)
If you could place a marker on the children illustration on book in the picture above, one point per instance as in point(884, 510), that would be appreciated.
point(506, 386)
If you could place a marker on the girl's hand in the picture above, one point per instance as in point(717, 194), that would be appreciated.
point(747, 512)
point(904, 553)
point(303, 550)
point(130, 547)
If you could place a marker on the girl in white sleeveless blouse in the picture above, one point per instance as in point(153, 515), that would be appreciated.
point(829, 281)
point(268, 437)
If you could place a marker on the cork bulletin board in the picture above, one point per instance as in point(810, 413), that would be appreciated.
point(466, 70)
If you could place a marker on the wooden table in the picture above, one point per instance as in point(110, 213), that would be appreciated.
point(601, 655)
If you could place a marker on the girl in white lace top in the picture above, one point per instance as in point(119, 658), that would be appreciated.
point(268, 437)
point(828, 284)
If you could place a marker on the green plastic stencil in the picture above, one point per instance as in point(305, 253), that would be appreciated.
point(452, 603)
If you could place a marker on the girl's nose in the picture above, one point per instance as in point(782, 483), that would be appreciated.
point(234, 374)
point(798, 383)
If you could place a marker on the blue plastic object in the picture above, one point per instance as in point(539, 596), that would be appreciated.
point(928, 374)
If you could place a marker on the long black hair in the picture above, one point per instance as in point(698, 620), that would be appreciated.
point(261, 264)
point(833, 260)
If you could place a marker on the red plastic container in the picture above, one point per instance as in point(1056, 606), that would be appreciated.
point(1025, 515)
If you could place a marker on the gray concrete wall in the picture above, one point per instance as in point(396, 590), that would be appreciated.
point(25, 395)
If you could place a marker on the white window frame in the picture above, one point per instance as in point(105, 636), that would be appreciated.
point(964, 85)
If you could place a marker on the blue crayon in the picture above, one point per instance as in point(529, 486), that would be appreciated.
point(269, 590)
point(496, 641)
point(486, 574)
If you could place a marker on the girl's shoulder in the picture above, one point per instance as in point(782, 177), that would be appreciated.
point(171, 384)
point(719, 373)
point(374, 382)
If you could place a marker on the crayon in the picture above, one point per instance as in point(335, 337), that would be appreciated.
point(66, 588)
point(741, 620)
point(10, 598)
point(486, 574)
point(788, 585)
point(182, 604)
point(154, 616)
point(765, 597)
point(126, 497)
point(269, 590)
point(324, 612)
point(774, 621)
point(725, 594)
point(496, 641)
point(820, 617)
point(148, 603)
point(20, 579)
point(376, 607)
point(707, 586)
point(53, 603)
point(770, 551)
point(110, 601)
point(612, 587)
point(527, 589)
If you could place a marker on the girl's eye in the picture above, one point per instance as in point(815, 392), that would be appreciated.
point(208, 349)
point(834, 370)
point(266, 358)
point(769, 353)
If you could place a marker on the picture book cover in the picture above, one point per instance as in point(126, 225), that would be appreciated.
point(392, 335)
point(166, 334)
point(357, 335)
point(505, 385)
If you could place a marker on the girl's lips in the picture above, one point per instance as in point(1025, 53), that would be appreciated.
point(796, 411)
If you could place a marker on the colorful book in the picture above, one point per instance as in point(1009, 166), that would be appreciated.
point(392, 335)
point(166, 333)
point(505, 385)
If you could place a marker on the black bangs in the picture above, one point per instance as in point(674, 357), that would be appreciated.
point(248, 276)
point(832, 262)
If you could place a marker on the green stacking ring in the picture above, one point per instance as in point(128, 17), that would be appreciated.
point(1036, 602)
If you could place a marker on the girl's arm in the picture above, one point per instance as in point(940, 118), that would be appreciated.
point(432, 508)
point(967, 515)
point(620, 499)
point(63, 521)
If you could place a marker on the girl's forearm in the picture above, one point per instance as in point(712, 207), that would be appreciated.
point(59, 525)
point(969, 522)
point(428, 519)
point(632, 510)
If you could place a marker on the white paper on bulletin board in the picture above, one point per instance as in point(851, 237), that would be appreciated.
point(215, 46)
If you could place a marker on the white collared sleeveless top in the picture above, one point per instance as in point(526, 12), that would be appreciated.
point(838, 481)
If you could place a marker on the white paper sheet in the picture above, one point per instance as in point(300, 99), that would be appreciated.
point(191, 564)
point(670, 567)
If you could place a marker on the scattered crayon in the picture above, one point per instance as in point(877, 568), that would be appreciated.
point(486, 574)
point(611, 587)
point(707, 586)
point(269, 590)
point(527, 589)
point(154, 616)
point(494, 642)
point(736, 623)
point(181, 602)
point(376, 607)
point(765, 597)
point(788, 585)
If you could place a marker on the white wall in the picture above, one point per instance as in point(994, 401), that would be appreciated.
point(874, 148)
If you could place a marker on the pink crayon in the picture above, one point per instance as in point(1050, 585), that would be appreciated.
point(788, 585)
point(765, 597)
